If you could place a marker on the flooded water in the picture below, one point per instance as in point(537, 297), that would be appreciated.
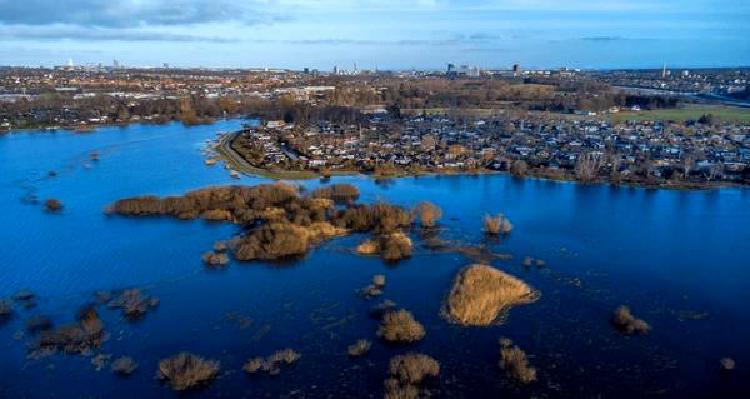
point(679, 259)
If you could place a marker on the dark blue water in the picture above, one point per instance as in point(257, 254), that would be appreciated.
point(678, 258)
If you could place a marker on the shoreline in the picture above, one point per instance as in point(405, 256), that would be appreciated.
point(225, 153)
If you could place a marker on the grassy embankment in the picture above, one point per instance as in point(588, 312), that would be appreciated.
point(723, 114)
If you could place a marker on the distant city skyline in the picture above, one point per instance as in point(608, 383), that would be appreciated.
point(422, 34)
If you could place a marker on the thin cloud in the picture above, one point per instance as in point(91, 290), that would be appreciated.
point(133, 13)
point(53, 33)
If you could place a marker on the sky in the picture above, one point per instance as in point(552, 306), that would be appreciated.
point(384, 34)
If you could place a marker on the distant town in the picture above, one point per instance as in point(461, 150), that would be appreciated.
point(660, 127)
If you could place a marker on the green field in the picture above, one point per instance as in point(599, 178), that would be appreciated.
point(724, 114)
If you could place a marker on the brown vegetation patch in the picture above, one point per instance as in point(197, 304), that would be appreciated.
point(379, 218)
point(407, 372)
point(379, 310)
point(339, 193)
point(187, 371)
point(215, 260)
point(124, 366)
point(496, 225)
point(273, 363)
point(515, 363)
point(133, 303)
point(6, 310)
point(78, 338)
point(281, 223)
point(400, 327)
point(391, 247)
point(100, 361)
point(628, 324)
point(53, 205)
point(428, 213)
point(359, 348)
point(274, 241)
point(481, 295)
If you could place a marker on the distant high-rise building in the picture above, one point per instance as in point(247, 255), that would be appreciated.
point(516, 70)
point(166, 65)
point(335, 70)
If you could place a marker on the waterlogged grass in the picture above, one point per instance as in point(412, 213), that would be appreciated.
point(723, 114)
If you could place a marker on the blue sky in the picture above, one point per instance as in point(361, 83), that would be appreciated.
point(388, 34)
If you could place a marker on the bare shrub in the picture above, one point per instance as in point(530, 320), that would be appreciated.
point(519, 168)
point(515, 363)
point(428, 213)
point(217, 215)
point(339, 193)
point(124, 365)
point(380, 218)
point(379, 310)
point(100, 361)
point(274, 241)
point(215, 260)
point(186, 371)
point(368, 247)
point(395, 246)
point(378, 280)
point(359, 348)
point(220, 247)
point(272, 364)
point(133, 303)
point(413, 368)
point(391, 247)
point(495, 225)
point(400, 327)
point(77, 338)
point(481, 295)
point(53, 205)
point(624, 321)
point(406, 373)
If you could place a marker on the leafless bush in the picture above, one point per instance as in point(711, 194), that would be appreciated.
point(124, 366)
point(220, 247)
point(428, 213)
point(515, 363)
point(53, 205)
point(77, 338)
point(274, 241)
point(391, 247)
point(519, 168)
point(359, 348)
point(133, 303)
point(339, 193)
point(406, 373)
point(624, 321)
point(379, 218)
point(495, 225)
point(215, 260)
point(481, 295)
point(378, 280)
point(401, 327)
point(272, 364)
point(379, 310)
point(186, 371)
point(413, 368)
